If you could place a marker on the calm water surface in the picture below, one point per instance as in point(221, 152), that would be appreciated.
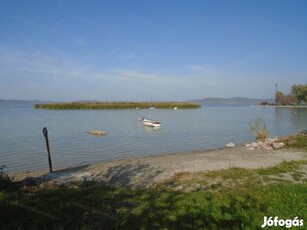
point(22, 145)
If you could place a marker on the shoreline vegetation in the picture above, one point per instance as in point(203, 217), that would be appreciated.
point(296, 98)
point(116, 105)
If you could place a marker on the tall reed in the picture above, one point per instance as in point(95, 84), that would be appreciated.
point(116, 105)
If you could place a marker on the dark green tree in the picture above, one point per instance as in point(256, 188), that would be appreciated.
point(300, 91)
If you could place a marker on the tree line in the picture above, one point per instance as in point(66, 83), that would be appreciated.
point(298, 95)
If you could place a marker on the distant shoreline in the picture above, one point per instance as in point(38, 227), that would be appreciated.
point(284, 106)
point(117, 105)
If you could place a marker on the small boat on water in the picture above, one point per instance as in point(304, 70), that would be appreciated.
point(151, 123)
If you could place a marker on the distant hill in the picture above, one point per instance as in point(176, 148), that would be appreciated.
point(230, 101)
point(16, 101)
point(4, 103)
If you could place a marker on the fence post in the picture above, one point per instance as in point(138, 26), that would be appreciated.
point(45, 132)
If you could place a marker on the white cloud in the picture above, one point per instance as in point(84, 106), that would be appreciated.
point(29, 75)
point(21, 63)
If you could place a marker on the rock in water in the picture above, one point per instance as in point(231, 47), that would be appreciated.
point(96, 132)
point(230, 145)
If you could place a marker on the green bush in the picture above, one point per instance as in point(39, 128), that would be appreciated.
point(5, 180)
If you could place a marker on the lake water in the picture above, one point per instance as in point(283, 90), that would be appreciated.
point(22, 145)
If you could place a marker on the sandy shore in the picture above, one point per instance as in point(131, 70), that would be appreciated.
point(145, 171)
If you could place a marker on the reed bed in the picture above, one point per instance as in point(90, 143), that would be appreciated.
point(116, 105)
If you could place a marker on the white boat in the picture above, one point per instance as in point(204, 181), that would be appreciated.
point(150, 123)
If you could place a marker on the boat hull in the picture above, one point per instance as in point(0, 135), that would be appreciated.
point(150, 123)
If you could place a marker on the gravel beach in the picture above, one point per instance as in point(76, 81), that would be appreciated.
point(144, 172)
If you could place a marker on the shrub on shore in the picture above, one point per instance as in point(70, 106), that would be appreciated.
point(5, 180)
point(259, 129)
point(297, 141)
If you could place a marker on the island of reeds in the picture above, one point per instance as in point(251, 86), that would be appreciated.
point(117, 105)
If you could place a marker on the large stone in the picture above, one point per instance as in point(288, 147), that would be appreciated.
point(255, 145)
point(230, 145)
point(269, 141)
point(266, 146)
point(275, 138)
point(96, 132)
point(277, 145)
point(248, 145)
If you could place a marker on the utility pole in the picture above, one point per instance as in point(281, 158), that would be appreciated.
point(275, 94)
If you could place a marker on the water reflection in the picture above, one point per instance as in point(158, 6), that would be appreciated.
point(294, 119)
point(151, 129)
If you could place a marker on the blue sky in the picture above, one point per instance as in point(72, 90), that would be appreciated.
point(160, 49)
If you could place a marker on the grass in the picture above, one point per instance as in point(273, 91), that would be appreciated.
point(297, 175)
point(298, 141)
point(116, 105)
point(226, 199)
point(284, 167)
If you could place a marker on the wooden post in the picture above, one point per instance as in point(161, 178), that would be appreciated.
point(45, 132)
